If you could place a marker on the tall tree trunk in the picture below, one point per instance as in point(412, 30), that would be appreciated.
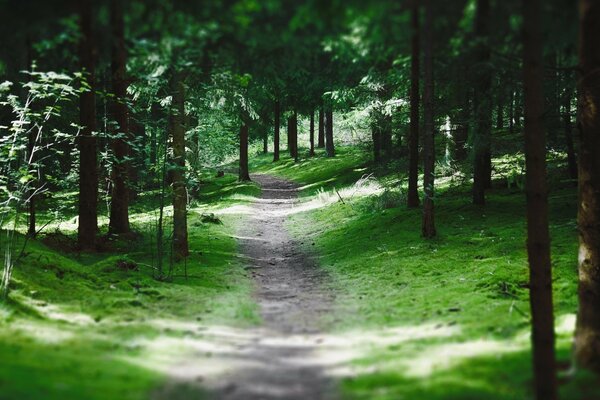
point(290, 145)
point(587, 333)
point(511, 112)
point(277, 124)
point(88, 152)
point(119, 210)
point(500, 111)
point(266, 142)
point(293, 135)
point(413, 138)
point(376, 136)
point(428, 226)
point(244, 171)
point(312, 133)
point(481, 143)
point(538, 236)
point(321, 142)
point(31, 139)
point(177, 122)
point(329, 146)
point(461, 133)
point(386, 136)
point(571, 157)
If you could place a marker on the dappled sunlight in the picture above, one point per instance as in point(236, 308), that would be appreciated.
point(440, 357)
point(43, 332)
point(194, 351)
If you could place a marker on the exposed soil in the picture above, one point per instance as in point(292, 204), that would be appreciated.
point(292, 296)
point(278, 360)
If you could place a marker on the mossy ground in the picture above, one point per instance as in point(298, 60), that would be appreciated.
point(459, 303)
point(469, 283)
point(70, 327)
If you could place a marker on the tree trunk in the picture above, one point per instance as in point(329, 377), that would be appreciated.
point(428, 225)
point(481, 143)
point(329, 146)
point(177, 122)
point(312, 134)
point(31, 139)
point(277, 124)
point(321, 128)
point(119, 210)
point(290, 145)
point(413, 138)
point(266, 142)
point(376, 136)
point(386, 136)
point(244, 171)
point(571, 157)
point(587, 334)
point(461, 133)
point(511, 112)
point(538, 236)
point(88, 153)
point(500, 111)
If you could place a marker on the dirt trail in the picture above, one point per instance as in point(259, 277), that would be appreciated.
point(286, 357)
point(292, 298)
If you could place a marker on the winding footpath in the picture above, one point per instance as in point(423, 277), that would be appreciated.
point(292, 298)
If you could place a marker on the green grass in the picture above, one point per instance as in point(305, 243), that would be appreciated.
point(469, 281)
point(70, 327)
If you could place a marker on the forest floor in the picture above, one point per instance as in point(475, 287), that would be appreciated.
point(315, 286)
point(280, 359)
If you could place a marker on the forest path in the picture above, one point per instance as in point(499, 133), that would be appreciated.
point(290, 356)
point(291, 293)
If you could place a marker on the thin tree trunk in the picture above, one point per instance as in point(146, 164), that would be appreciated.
point(587, 332)
point(329, 146)
point(295, 136)
point(277, 124)
point(244, 171)
point(290, 145)
point(571, 157)
point(31, 139)
point(88, 152)
point(177, 122)
point(500, 111)
point(321, 142)
point(428, 226)
point(312, 134)
point(511, 112)
point(413, 138)
point(386, 136)
point(461, 133)
point(376, 136)
point(266, 142)
point(481, 143)
point(119, 210)
point(538, 236)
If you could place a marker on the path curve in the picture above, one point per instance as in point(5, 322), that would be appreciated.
point(293, 297)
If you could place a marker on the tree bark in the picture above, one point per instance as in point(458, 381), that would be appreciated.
point(244, 173)
point(177, 122)
point(88, 152)
point(266, 142)
point(376, 136)
point(538, 236)
point(119, 210)
point(413, 138)
point(386, 136)
point(277, 124)
point(571, 157)
point(312, 134)
point(321, 141)
point(587, 333)
point(428, 226)
point(31, 139)
point(481, 143)
point(329, 146)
